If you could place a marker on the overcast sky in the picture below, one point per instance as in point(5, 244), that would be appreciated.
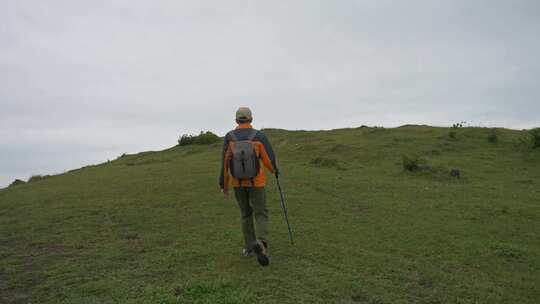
point(85, 81)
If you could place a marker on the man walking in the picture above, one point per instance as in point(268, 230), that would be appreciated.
point(245, 152)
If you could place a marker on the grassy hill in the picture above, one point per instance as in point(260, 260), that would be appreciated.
point(153, 227)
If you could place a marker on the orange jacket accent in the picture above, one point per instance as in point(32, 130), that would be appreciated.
point(264, 160)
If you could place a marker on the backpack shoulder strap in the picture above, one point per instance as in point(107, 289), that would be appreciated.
point(233, 136)
point(252, 135)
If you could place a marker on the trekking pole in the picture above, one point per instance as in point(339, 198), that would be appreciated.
point(284, 208)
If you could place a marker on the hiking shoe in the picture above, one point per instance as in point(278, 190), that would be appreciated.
point(260, 251)
point(247, 253)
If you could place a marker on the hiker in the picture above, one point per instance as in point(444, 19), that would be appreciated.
point(245, 152)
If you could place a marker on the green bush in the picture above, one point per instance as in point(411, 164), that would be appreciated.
point(185, 140)
point(493, 137)
point(37, 177)
point(17, 182)
point(531, 140)
point(453, 133)
point(411, 163)
point(534, 135)
point(459, 125)
point(204, 138)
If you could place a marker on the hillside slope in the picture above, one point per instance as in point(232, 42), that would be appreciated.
point(153, 227)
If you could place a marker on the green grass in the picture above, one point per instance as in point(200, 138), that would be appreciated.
point(153, 227)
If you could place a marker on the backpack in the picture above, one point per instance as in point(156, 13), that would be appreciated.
point(244, 161)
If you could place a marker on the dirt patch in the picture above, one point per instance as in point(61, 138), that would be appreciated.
point(37, 250)
point(31, 265)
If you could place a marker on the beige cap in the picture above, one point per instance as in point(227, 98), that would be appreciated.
point(243, 113)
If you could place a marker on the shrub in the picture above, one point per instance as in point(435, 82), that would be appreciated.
point(204, 138)
point(493, 137)
point(453, 133)
point(185, 140)
point(207, 138)
point(411, 163)
point(37, 177)
point(531, 140)
point(534, 136)
point(17, 182)
point(459, 125)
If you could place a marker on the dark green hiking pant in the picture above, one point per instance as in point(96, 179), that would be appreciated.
point(252, 203)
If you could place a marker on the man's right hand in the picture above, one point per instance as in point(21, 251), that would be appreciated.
point(225, 193)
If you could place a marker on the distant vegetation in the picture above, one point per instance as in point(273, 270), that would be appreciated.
point(453, 133)
point(410, 163)
point(531, 140)
point(493, 137)
point(17, 182)
point(534, 138)
point(459, 125)
point(37, 177)
point(204, 138)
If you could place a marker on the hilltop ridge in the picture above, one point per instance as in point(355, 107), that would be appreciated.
point(153, 227)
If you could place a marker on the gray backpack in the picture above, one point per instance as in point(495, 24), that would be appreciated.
point(244, 162)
